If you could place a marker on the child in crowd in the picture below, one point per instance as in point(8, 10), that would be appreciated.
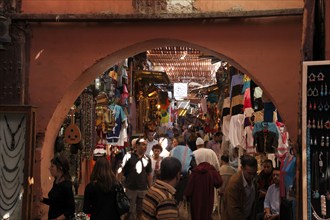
point(156, 160)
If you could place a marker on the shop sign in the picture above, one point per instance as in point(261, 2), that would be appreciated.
point(180, 90)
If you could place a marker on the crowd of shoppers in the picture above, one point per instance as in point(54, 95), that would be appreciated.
point(196, 171)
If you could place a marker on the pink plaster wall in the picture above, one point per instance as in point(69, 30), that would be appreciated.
point(66, 57)
point(244, 5)
point(126, 6)
point(77, 6)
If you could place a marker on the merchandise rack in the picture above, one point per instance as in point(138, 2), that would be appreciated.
point(315, 140)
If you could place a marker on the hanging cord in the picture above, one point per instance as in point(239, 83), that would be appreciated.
point(314, 175)
point(327, 173)
point(316, 193)
point(309, 173)
point(316, 170)
point(321, 164)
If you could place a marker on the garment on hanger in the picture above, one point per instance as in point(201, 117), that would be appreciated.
point(259, 126)
point(226, 117)
point(248, 143)
point(283, 139)
point(269, 109)
point(259, 116)
point(247, 99)
point(114, 134)
point(236, 95)
point(237, 105)
point(226, 107)
point(257, 102)
point(236, 130)
point(236, 85)
point(265, 141)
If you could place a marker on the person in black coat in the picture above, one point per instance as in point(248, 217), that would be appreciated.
point(100, 196)
point(60, 197)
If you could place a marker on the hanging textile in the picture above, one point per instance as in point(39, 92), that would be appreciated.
point(236, 130)
point(247, 92)
point(269, 109)
point(236, 95)
point(283, 139)
point(248, 141)
point(265, 137)
point(259, 126)
point(226, 117)
point(258, 103)
point(288, 173)
point(120, 117)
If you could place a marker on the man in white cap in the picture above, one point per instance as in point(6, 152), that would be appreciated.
point(203, 154)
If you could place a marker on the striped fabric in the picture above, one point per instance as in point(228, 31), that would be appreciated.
point(159, 202)
point(236, 96)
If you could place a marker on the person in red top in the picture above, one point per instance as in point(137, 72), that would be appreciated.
point(200, 190)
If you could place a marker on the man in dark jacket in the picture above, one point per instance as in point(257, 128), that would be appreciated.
point(240, 198)
point(264, 180)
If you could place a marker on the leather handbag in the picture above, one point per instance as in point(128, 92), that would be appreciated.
point(122, 201)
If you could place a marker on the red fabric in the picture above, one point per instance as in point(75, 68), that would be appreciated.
point(200, 190)
point(247, 99)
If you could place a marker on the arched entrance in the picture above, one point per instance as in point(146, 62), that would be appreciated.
point(67, 58)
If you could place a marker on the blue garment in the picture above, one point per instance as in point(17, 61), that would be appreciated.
point(118, 110)
point(184, 154)
point(289, 172)
point(247, 84)
point(272, 199)
point(269, 109)
point(259, 126)
point(120, 116)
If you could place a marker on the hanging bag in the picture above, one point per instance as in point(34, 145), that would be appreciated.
point(122, 201)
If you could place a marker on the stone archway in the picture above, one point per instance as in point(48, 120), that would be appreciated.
point(66, 57)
